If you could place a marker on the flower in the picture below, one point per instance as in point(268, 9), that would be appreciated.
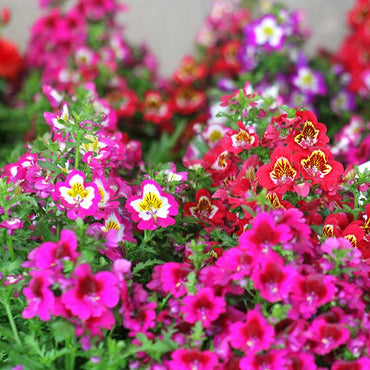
point(82, 199)
point(279, 175)
point(191, 359)
point(11, 62)
point(268, 33)
point(253, 335)
point(153, 207)
point(39, 296)
point(90, 294)
point(327, 336)
point(204, 306)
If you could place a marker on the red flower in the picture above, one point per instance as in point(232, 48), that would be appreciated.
point(319, 167)
point(205, 208)
point(11, 62)
point(238, 140)
point(189, 71)
point(155, 108)
point(189, 100)
point(280, 173)
point(308, 133)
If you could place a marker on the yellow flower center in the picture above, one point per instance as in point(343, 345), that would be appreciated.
point(150, 203)
point(78, 192)
point(308, 135)
point(283, 172)
point(316, 164)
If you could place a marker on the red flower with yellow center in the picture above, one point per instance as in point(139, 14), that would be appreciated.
point(204, 208)
point(242, 139)
point(307, 132)
point(319, 167)
point(279, 175)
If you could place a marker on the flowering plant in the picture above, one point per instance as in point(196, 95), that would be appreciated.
point(256, 253)
point(246, 248)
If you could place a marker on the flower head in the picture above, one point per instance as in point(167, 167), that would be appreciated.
point(152, 208)
point(80, 198)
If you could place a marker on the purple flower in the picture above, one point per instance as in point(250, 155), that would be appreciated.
point(152, 208)
point(268, 33)
point(203, 306)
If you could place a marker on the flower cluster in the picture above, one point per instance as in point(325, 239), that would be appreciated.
point(230, 236)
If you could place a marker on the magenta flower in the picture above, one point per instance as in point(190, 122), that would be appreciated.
point(12, 224)
point(312, 291)
point(80, 198)
point(152, 208)
point(300, 361)
point(51, 255)
point(264, 234)
point(91, 294)
point(327, 336)
point(203, 306)
point(40, 298)
point(275, 359)
point(362, 363)
point(173, 278)
point(193, 359)
point(253, 335)
point(273, 279)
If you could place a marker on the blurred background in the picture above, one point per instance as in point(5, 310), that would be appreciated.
point(169, 27)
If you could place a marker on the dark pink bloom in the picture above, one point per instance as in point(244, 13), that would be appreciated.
point(273, 279)
point(253, 335)
point(264, 234)
point(312, 291)
point(362, 363)
point(94, 324)
point(173, 277)
point(12, 224)
point(300, 361)
point(51, 255)
point(327, 336)
point(91, 294)
point(152, 208)
point(274, 359)
point(39, 296)
point(193, 359)
point(203, 306)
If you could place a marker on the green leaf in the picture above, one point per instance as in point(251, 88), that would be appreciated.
point(62, 330)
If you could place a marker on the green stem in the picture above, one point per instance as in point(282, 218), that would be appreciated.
point(12, 323)
point(70, 356)
point(77, 157)
point(9, 244)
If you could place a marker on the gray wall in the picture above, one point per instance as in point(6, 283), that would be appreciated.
point(169, 26)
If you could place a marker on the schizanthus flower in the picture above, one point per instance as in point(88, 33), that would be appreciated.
point(81, 199)
point(152, 208)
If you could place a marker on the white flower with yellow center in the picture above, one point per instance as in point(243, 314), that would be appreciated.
point(153, 207)
point(83, 198)
point(268, 32)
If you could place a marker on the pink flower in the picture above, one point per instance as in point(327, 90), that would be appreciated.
point(12, 224)
point(40, 298)
point(312, 291)
point(81, 199)
point(51, 255)
point(152, 208)
point(327, 336)
point(273, 279)
point(362, 363)
point(170, 278)
point(191, 359)
point(91, 294)
point(203, 306)
point(264, 234)
point(253, 335)
point(275, 359)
